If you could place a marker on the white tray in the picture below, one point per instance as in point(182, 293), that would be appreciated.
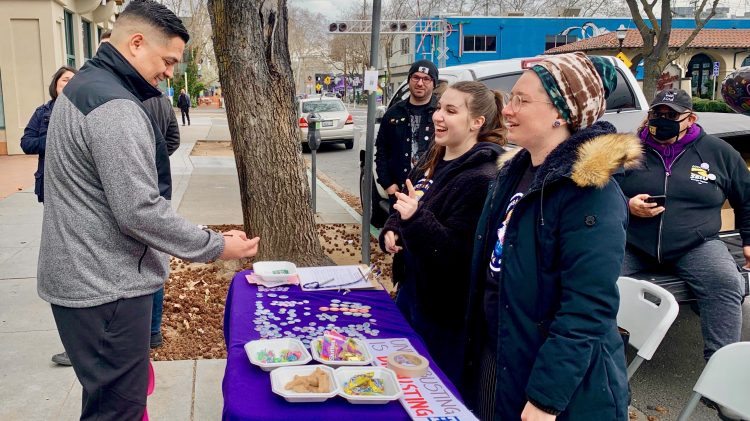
point(390, 384)
point(360, 345)
point(280, 377)
point(268, 271)
point(276, 345)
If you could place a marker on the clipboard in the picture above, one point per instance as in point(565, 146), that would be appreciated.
point(326, 278)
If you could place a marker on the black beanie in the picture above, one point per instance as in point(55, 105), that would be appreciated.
point(427, 67)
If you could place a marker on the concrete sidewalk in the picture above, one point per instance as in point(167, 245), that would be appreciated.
point(206, 191)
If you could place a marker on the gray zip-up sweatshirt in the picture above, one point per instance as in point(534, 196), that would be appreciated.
point(107, 233)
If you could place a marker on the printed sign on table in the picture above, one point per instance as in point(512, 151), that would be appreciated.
point(425, 398)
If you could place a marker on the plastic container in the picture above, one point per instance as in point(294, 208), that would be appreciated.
point(390, 384)
point(284, 375)
point(274, 272)
point(252, 349)
point(360, 345)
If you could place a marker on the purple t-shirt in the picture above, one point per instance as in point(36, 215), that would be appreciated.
point(670, 151)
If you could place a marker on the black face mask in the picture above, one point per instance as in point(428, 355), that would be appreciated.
point(664, 129)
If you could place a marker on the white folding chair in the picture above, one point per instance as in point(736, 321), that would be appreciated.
point(646, 321)
point(726, 381)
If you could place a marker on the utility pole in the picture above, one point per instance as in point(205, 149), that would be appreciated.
point(370, 136)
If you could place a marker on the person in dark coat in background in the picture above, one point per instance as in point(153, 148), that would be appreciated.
point(697, 173)
point(434, 223)
point(547, 255)
point(183, 103)
point(162, 116)
point(34, 139)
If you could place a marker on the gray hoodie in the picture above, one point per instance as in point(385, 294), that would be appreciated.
point(107, 233)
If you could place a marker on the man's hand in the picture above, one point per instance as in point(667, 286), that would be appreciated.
point(237, 246)
point(746, 252)
point(639, 207)
point(392, 189)
point(532, 413)
point(407, 204)
point(390, 242)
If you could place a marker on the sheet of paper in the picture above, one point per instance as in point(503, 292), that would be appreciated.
point(371, 80)
point(425, 398)
point(321, 278)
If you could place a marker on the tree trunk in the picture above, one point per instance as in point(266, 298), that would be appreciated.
point(250, 41)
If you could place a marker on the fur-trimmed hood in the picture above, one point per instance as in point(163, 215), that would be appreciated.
point(589, 157)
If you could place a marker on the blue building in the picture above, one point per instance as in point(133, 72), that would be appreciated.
point(471, 39)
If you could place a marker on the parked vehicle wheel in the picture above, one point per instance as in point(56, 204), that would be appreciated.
point(349, 144)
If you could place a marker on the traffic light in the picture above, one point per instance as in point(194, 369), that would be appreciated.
point(341, 27)
point(398, 26)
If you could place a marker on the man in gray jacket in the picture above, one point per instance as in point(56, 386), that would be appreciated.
point(107, 232)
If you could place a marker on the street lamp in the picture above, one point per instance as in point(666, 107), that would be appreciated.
point(621, 33)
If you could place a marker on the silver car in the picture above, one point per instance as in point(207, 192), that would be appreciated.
point(337, 125)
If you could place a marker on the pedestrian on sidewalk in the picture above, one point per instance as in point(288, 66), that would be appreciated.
point(106, 230)
point(547, 255)
point(433, 224)
point(183, 103)
point(34, 139)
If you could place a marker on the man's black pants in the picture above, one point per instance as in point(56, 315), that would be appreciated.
point(108, 346)
point(185, 112)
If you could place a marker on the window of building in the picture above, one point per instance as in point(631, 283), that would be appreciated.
point(480, 43)
point(99, 32)
point(746, 61)
point(86, 37)
point(70, 51)
point(552, 41)
point(404, 45)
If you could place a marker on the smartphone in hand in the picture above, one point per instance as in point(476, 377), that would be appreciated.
point(660, 200)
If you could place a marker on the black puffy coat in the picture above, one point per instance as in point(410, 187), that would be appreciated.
point(558, 343)
point(437, 252)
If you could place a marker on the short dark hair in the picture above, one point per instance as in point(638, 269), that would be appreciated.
point(157, 15)
point(58, 74)
point(105, 35)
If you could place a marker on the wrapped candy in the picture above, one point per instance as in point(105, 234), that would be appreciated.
point(364, 385)
point(336, 347)
point(285, 356)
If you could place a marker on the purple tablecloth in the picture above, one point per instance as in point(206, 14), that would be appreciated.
point(247, 388)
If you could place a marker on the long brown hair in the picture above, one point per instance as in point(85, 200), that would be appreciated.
point(482, 102)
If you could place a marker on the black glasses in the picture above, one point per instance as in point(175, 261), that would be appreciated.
point(669, 115)
point(417, 79)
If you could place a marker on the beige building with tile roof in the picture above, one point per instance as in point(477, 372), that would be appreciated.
point(693, 69)
point(36, 38)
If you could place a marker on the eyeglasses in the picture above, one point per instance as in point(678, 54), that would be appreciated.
point(516, 102)
point(669, 115)
point(416, 79)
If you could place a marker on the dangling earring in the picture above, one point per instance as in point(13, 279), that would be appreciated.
point(556, 123)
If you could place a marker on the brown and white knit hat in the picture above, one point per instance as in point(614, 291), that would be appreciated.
point(575, 88)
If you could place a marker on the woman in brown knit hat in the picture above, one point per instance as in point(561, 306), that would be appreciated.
point(547, 255)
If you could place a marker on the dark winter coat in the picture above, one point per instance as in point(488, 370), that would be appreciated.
point(183, 101)
point(437, 249)
point(393, 143)
point(558, 344)
point(34, 141)
point(160, 111)
point(695, 196)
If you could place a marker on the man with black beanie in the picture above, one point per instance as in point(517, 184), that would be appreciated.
point(406, 131)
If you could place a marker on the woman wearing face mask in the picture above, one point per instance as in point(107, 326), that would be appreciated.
point(434, 223)
point(675, 206)
point(34, 139)
point(547, 255)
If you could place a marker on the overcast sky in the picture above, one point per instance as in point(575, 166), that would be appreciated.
point(329, 8)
